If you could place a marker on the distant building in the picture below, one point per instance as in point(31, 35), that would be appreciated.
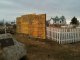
point(13, 23)
point(32, 25)
point(57, 20)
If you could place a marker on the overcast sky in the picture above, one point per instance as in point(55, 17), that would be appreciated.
point(10, 9)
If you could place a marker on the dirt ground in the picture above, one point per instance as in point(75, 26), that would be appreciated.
point(49, 50)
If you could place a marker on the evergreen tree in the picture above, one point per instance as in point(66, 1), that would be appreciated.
point(74, 21)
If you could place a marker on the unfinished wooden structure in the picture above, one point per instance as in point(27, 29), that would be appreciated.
point(32, 25)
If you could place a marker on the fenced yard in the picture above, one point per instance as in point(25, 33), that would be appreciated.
point(63, 35)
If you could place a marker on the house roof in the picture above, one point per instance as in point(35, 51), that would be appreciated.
point(57, 18)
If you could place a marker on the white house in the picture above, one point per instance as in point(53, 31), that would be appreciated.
point(58, 20)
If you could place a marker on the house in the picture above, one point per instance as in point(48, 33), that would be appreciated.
point(57, 20)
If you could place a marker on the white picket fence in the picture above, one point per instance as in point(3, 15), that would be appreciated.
point(63, 35)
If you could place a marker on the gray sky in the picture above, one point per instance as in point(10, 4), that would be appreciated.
point(10, 9)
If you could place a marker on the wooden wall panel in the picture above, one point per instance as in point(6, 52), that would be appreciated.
point(32, 24)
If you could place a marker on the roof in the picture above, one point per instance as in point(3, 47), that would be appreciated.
point(57, 18)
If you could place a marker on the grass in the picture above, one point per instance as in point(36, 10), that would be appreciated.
point(49, 50)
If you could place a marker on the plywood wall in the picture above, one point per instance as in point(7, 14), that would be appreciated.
point(32, 24)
